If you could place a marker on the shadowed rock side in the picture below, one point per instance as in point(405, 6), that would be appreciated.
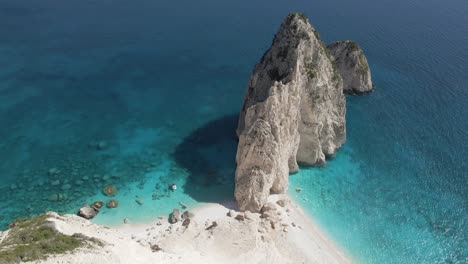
point(293, 112)
point(352, 65)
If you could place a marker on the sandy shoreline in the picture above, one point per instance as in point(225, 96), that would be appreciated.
point(211, 237)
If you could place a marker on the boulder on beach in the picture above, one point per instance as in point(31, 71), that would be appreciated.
point(188, 214)
point(175, 216)
point(87, 212)
point(186, 222)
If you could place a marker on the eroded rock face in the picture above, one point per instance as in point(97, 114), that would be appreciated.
point(293, 112)
point(352, 65)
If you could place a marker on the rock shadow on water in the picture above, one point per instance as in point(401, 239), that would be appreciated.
point(208, 154)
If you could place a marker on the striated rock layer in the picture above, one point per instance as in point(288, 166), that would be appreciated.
point(293, 112)
point(352, 65)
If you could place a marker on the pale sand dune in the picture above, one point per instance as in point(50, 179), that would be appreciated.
point(231, 241)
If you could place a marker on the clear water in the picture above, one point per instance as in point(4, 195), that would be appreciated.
point(161, 82)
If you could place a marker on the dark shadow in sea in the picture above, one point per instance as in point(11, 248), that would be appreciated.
point(208, 154)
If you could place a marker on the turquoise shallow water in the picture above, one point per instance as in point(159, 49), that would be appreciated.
point(162, 82)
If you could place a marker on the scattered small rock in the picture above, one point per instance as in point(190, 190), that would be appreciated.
point(139, 201)
point(54, 171)
point(97, 204)
point(282, 202)
point(213, 225)
point(273, 224)
point(231, 213)
point(186, 222)
point(155, 248)
point(240, 217)
point(268, 207)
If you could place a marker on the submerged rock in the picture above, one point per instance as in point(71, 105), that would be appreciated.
point(282, 202)
point(240, 217)
point(101, 145)
point(55, 183)
point(112, 204)
point(53, 171)
point(293, 111)
point(139, 201)
point(109, 190)
point(66, 187)
point(352, 65)
point(97, 204)
point(57, 197)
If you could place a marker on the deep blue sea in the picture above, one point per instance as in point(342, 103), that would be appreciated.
point(159, 85)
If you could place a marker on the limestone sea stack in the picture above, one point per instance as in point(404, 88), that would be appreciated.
point(352, 65)
point(293, 112)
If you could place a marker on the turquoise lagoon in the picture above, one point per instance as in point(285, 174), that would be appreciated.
point(161, 84)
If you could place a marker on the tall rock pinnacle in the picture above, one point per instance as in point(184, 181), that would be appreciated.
point(294, 112)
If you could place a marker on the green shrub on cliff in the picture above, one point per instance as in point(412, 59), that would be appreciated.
point(36, 238)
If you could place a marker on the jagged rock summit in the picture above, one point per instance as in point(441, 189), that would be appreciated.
point(293, 112)
point(352, 65)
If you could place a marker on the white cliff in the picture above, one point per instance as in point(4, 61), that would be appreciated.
point(293, 113)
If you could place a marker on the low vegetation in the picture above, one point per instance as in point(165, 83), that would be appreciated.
point(36, 238)
point(311, 70)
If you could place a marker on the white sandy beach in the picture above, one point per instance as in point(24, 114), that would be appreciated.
point(293, 239)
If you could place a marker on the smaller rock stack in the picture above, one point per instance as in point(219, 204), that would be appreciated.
point(352, 65)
